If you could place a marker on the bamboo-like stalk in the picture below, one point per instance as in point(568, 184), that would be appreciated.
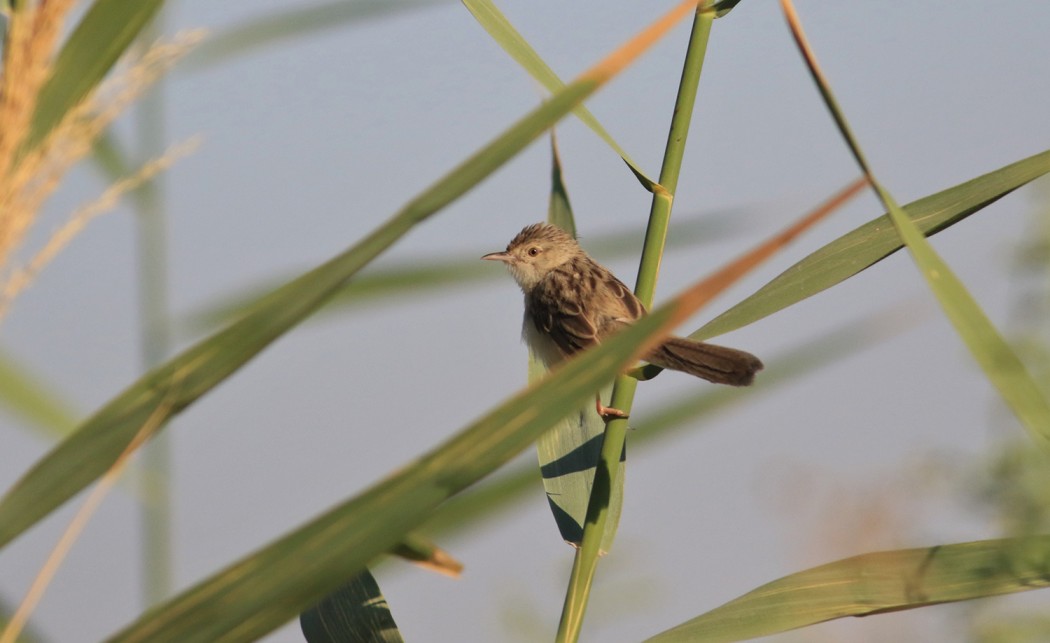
point(606, 473)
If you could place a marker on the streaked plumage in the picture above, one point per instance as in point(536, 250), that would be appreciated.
point(572, 302)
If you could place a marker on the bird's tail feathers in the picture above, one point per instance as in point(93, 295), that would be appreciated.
point(711, 362)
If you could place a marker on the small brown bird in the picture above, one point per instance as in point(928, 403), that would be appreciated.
point(572, 302)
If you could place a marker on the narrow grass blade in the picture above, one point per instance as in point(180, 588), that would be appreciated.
point(182, 380)
point(26, 397)
point(105, 32)
point(74, 530)
point(507, 37)
point(875, 583)
point(294, 23)
point(357, 611)
point(568, 453)
point(874, 241)
point(262, 591)
point(1000, 363)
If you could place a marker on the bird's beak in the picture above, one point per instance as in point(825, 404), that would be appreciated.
point(498, 256)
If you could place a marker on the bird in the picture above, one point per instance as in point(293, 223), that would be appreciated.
point(572, 302)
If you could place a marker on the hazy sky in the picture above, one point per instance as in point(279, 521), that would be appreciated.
point(311, 143)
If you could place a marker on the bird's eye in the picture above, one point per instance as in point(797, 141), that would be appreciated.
point(533, 251)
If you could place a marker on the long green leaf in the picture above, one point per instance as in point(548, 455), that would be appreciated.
point(106, 31)
point(173, 386)
point(1000, 363)
point(507, 37)
point(874, 583)
point(873, 242)
point(262, 591)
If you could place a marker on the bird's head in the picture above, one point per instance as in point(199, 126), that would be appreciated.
point(534, 252)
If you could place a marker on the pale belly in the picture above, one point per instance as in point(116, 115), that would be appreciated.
point(541, 345)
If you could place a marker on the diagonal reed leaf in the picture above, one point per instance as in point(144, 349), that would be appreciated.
point(874, 583)
point(262, 591)
point(182, 380)
point(507, 37)
point(1000, 363)
point(874, 241)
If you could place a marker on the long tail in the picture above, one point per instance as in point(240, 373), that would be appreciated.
point(713, 363)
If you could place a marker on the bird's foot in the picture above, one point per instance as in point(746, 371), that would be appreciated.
point(607, 413)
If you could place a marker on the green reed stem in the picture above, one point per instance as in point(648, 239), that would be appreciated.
point(607, 471)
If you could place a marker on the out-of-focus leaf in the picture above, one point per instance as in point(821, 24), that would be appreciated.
point(874, 583)
point(356, 612)
point(173, 386)
point(873, 242)
point(26, 397)
point(290, 24)
point(507, 37)
point(262, 591)
point(106, 31)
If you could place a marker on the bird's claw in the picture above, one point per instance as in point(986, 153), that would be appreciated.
point(608, 413)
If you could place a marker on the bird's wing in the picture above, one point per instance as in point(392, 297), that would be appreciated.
point(564, 321)
point(621, 305)
point(599, 308)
